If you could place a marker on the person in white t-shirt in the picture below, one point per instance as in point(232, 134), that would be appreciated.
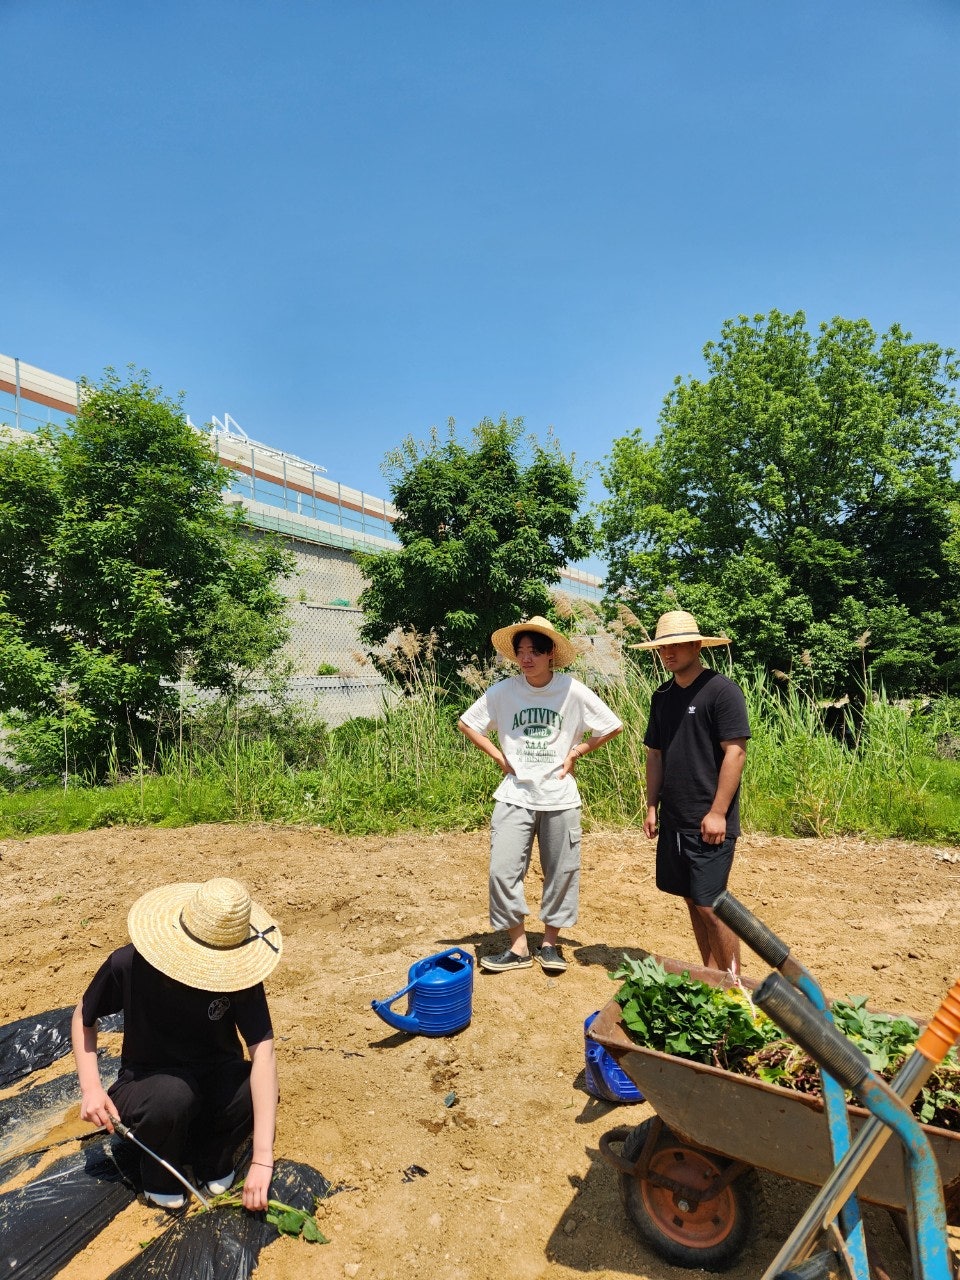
point(540, 717)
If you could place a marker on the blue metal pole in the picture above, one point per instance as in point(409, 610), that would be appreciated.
point(925, 1211)
point(838, 1124)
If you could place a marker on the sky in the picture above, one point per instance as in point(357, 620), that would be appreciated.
point(344, 222)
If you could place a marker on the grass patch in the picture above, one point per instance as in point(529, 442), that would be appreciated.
point(410, 768)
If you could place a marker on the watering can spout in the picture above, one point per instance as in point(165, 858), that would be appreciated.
point(439, 994)
point(399, 1021)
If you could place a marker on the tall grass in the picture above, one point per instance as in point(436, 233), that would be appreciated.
point(870, 769)
point(866, 777)
point(410, 768)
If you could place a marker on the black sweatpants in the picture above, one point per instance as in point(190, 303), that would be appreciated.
point(192, 1117)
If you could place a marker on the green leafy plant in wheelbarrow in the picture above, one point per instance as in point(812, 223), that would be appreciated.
point(681, 1015)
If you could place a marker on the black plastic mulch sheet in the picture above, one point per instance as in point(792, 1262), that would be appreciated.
point(15, 1165)
point(35, 1041)
point(47, 1222)
point(37, 1109)
point(225, 1243)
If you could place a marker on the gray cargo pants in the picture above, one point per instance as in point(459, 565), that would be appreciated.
point(512, 831)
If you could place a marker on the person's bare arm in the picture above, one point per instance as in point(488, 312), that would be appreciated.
point(487, 746)
point(654, 784)
point(584, 747)
point(95, 1106)
point(713, 827)
point(265, 1091)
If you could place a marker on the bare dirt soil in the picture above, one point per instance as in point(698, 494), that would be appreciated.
point(513, 1184)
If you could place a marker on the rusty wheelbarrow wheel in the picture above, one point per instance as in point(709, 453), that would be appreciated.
point(668, 1209)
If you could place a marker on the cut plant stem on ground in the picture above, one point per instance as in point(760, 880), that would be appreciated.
point(288, 1220)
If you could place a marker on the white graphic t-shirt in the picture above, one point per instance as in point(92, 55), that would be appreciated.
point(536, 729)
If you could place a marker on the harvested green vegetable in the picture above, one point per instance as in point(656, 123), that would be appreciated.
point(678, 1014)
point(287, 1220)
point(683, 1016)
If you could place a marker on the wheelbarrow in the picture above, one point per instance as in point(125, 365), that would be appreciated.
point(688, 1175)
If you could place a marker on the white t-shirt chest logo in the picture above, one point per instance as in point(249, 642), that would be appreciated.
point(537, 722)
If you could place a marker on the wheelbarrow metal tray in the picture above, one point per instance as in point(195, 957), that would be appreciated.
point(765, 1125)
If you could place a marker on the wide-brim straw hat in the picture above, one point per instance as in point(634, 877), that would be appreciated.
point(564, 652)
point(207, 935)
point(679, 627)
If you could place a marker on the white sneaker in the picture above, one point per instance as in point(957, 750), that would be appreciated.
point(217, 1186)
point(163, 1201)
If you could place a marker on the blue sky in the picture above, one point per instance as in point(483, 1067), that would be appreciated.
point(345, 222)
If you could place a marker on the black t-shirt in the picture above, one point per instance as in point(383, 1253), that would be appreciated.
point(167, 1024)
point(687, 726)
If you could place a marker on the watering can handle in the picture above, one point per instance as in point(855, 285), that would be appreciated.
point(453, 951)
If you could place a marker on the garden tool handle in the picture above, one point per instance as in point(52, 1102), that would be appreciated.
point(943, 1029)
point(751, 930)
point(126, 1132)
point(812, 1031)
point(868, 1142)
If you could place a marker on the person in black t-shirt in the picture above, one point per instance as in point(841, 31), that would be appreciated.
point(696, 742)
point(190, 985)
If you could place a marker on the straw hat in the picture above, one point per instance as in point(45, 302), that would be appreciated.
point(679, 628)
point(210, 936)
point(563, 651)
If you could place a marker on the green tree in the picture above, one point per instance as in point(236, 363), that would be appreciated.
point(800, 496)
point(485, 528)
point(121, 571)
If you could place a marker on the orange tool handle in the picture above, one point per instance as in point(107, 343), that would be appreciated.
point(943, 1028)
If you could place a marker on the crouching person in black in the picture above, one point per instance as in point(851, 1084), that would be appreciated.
point(190, 985)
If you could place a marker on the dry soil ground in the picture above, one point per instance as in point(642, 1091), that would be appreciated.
point(514, 1186)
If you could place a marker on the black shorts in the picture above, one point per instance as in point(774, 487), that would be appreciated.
point(691, 869)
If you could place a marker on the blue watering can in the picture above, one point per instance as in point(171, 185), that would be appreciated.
point(439, 995)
